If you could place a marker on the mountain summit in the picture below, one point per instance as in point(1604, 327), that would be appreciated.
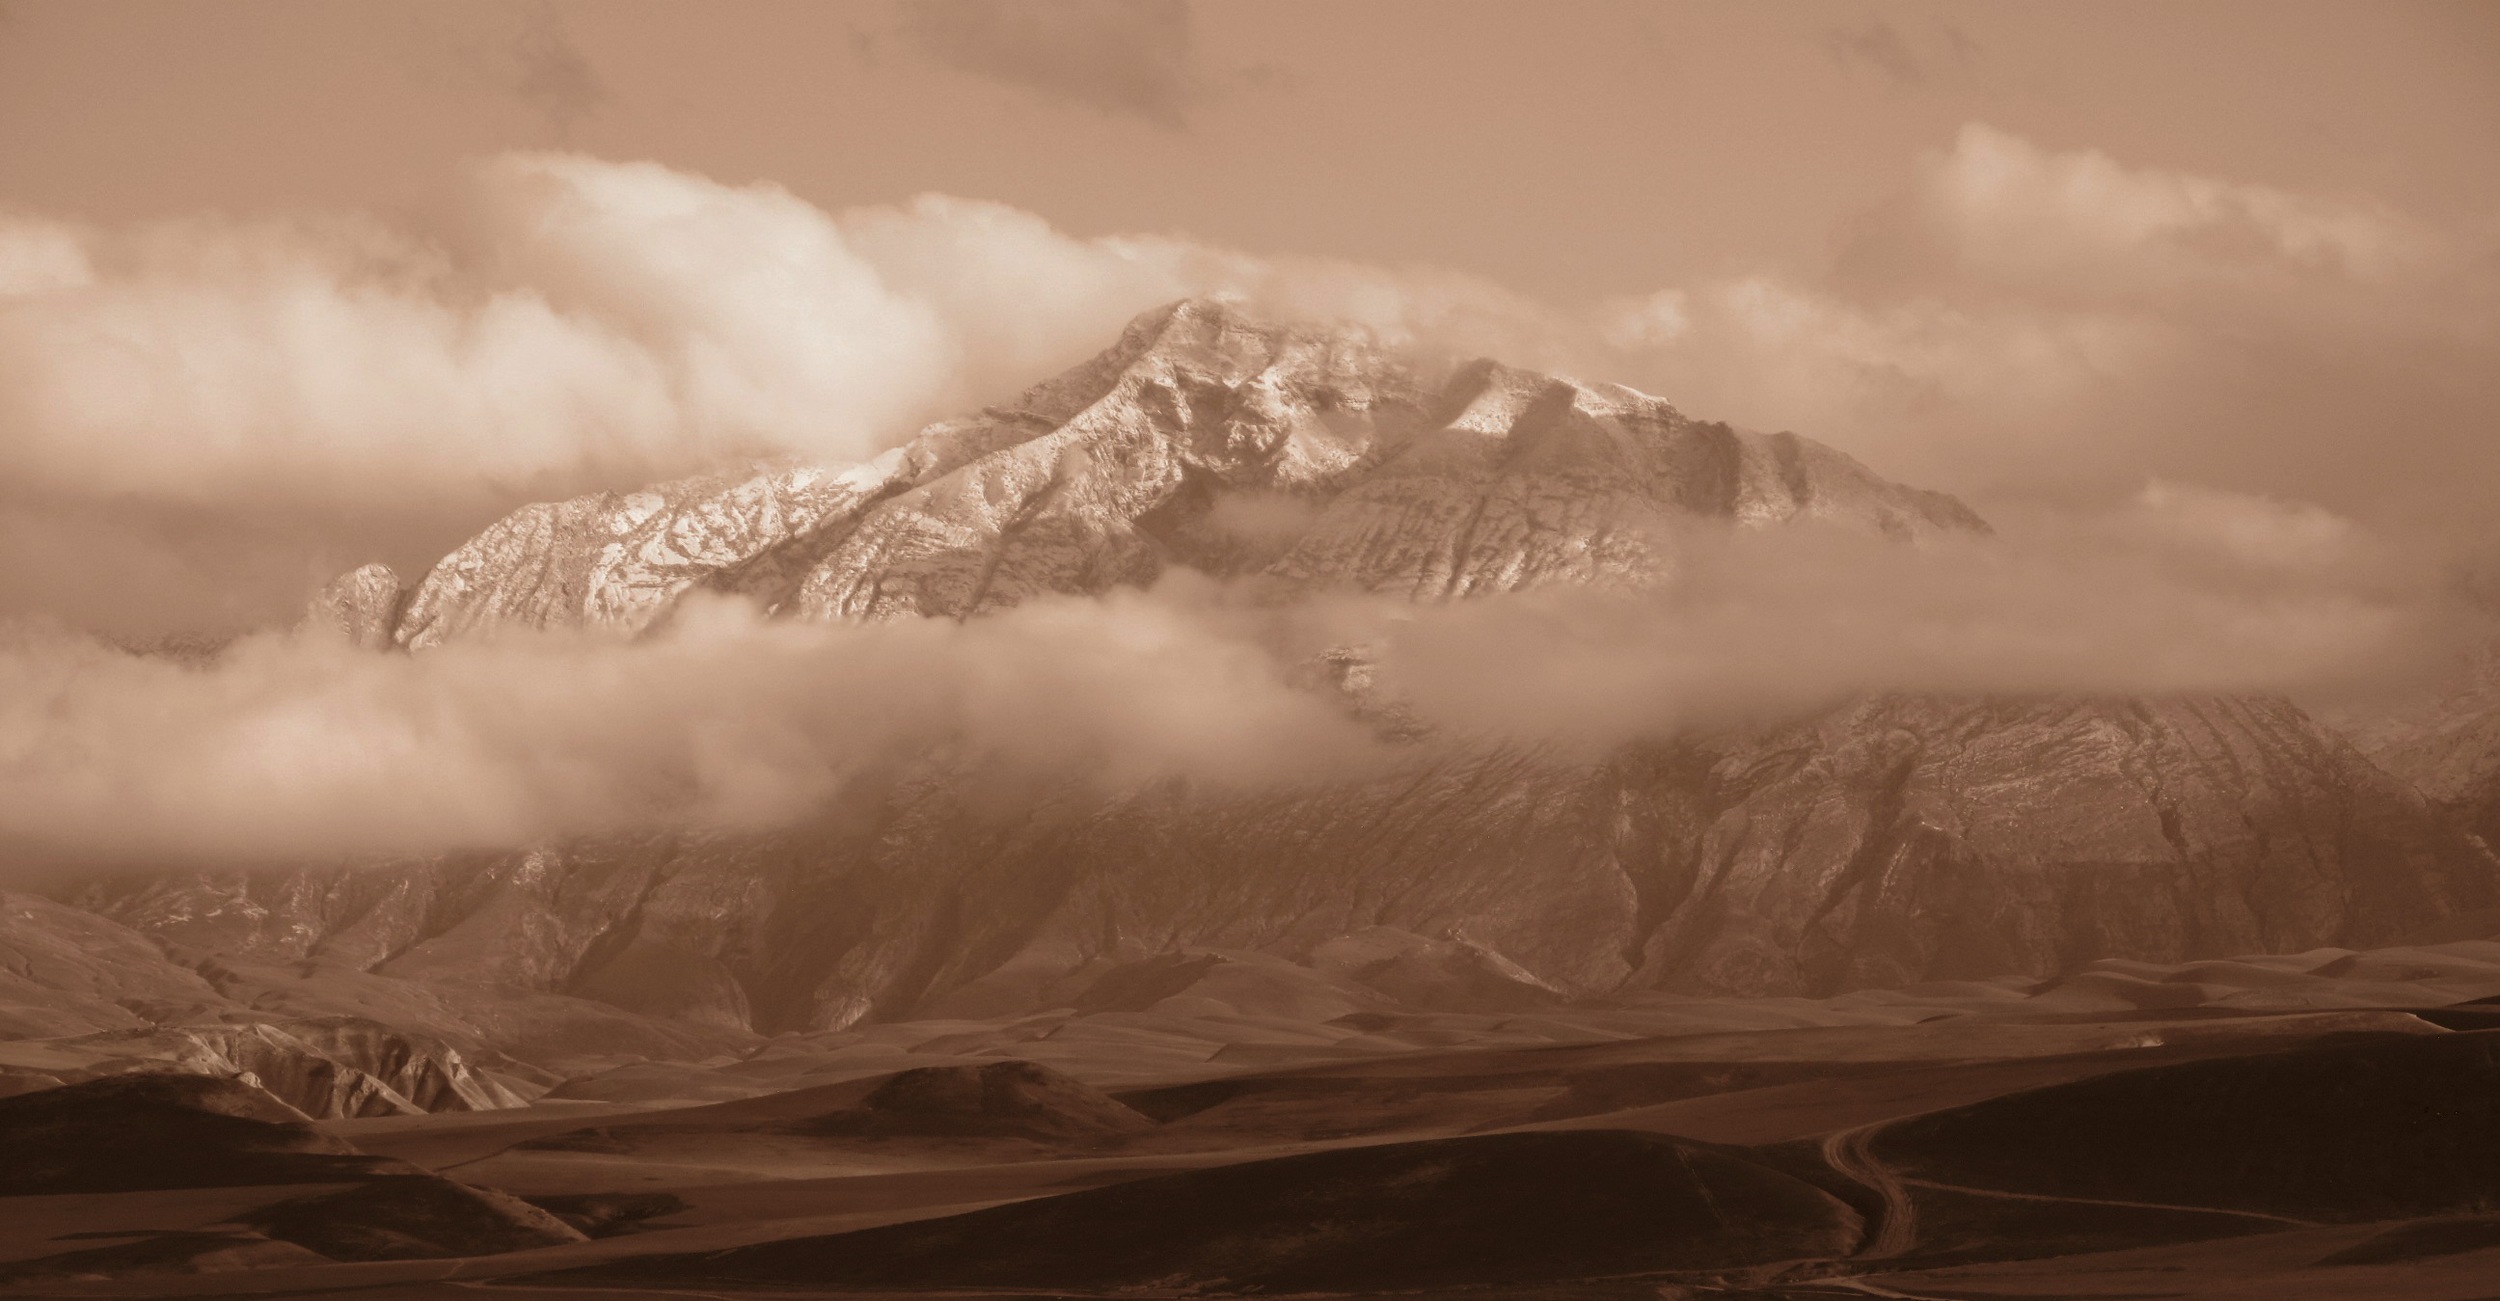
point(1310, 458)
point(1885, 842)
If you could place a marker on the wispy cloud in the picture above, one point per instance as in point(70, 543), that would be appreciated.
point(552, 75)
point(524, 54)
point(296, 745)
point(2033, 318)
point(1134, 58)
point(1918, 56)
point(1877, 45)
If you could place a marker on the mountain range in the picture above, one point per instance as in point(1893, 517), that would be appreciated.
point(1883, 842)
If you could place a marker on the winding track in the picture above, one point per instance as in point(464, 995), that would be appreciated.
point(1896, 1226)
point(1895, 1229)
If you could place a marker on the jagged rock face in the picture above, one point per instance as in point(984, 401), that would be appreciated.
point(259, 1055)
point(363, 605)
point(618, 561)
point(1523, 479)
point(2447, 746)
point(1200, 439)
point(99, 998)
point(426, 1073)
point(1110, 473)
point(328, 1068)
point(1057, 491)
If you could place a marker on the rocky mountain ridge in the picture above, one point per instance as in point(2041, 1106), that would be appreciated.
point(1310, 458)
point(1886, 842)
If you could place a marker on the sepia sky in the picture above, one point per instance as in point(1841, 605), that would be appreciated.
point(1564, 148)
point(287, 286)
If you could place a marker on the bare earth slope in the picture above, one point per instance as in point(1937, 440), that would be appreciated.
point(1513, 1208)
point(1640, 1146)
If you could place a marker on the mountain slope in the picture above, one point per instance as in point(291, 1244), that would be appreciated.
point(1895, 841)
point(1882, 842)
point(2447, 745)
point(1200, 439)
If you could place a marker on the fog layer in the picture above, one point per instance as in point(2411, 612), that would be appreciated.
point(292, 745)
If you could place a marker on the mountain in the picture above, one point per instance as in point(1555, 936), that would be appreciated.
point(2446, 743)
point(1200, 439)
point(1884, 842)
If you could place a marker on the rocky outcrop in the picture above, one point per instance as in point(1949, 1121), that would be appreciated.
point(430, 1074)
point(362, 605)
point(1522, 479)
point(260, 1055)
point(328, 1068)
point(617, 561)
point(1200, 439)
point(84, 996)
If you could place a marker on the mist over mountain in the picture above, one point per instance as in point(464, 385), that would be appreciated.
point(1251, 637)
point(1168, 648)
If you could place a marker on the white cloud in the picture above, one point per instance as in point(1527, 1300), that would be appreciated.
point(624, 318)
point(2020, 321)
point(2013, 208)
point(296, 746)
point(2187, 590)
point(299, 746)
point(2025, 320)
point(770, 327)
point(38, 256)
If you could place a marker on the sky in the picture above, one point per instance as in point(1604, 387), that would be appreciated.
point(2200, 299)
point(1564, 149)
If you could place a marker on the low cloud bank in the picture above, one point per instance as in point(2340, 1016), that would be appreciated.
point(296, 747)
point(2180, 591)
